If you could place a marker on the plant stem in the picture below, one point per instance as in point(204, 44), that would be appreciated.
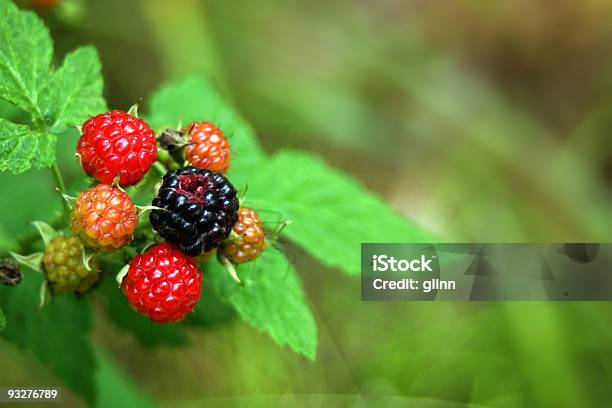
point(61, 186)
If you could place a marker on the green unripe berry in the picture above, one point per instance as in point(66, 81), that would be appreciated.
point(64, 266)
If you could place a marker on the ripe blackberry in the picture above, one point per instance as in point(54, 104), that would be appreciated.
point(199, 209)
point(207, 148)
point(104, 217)
point(163, 284)
point(117, 144)
point(64, 267)
point(250, 238)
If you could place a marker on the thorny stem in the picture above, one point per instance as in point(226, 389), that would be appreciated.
point(62, 187)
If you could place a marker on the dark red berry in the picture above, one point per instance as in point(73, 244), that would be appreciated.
point(117, 144)
point(163, 284)
point(206, 147)
point(199, 209)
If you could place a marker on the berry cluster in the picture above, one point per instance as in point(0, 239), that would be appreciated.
point(196, 211)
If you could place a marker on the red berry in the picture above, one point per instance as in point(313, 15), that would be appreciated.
point(163, 284)
point(250, 238)
point(207, 148)
point(117, 144)
point(104, 217)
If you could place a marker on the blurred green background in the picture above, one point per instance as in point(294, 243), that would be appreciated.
point(483, 121)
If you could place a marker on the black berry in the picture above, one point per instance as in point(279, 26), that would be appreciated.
point(199, 209)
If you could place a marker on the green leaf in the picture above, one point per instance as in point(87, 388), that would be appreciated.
point(211, 310)
point(32, 261)
point(25, 57)
point(54, 100)
point(22, 148)
point(47, 232)
point(2, 321)
point(271, 300)
point(331, 213)
point(197, 99)
point(74, 92)
point(56, 334)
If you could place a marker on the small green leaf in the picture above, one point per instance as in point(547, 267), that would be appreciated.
point(57, 334)
point(46, 231)
point(198, 100)
point(25, 57)
point(271, 299)
point(74, 92)
point(32, 261)
point(22, 148)
point(331, 213)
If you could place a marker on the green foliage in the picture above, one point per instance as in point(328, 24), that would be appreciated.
point(21, 147)
point(2, 320)
point(196, 99)
point(212, 309)
point(46, 231)
point(57, 334)
point(271, 299)
point(75, 89)
point(116, 389)
point(26, 52)
point(52, 99)
point(331, 213)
